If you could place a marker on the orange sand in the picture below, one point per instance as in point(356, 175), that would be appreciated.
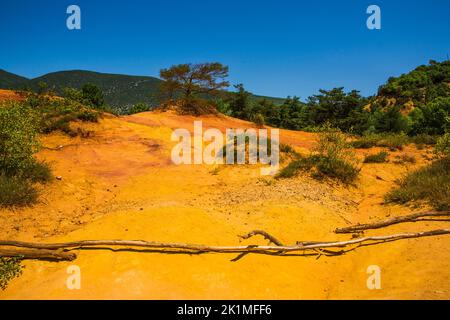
point(121, 184)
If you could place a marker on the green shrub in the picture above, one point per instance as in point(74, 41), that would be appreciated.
point(88, 116)
point(16, 191)
point(38, 172)
point(332, 158)
point(430, 183)
point(294, 167)
point(424, 139)
point(138, 107)
point(366, 142)
point(393, 141)
point(258, 119)
point(10, 268)
point(443, 145)
point(379, 157)
point(18, 137)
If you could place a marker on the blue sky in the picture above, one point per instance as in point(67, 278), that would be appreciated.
point(275, 48)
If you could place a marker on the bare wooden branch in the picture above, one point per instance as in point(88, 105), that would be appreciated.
point(266, 235)
point(415, 217)
point(38, 254)
point(198, 248)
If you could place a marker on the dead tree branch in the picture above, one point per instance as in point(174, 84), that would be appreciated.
point(266, 236)
point(38, 254)
point(198, 248)
point(381, 224)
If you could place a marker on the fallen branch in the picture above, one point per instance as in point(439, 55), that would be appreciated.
point(381, 224)
point(266, 236)
point(198, 248)
point(38, 254)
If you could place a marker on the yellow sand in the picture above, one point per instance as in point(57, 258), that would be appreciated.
point(121, 184)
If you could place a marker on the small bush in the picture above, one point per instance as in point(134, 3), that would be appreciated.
point(18, 137)
point(379, 157)
point(405, 158)
point(424, 139)
point(258, 120)
point(365, 142)
point(88, 116)
point(391, 141)
point(332, 158)
point(430, 183)
point(38, 172)
point(10, 268)
point(293, 168)
point(16, 191)
point(443, 145)
point(138, 107)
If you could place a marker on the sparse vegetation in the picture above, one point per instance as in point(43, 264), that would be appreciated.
point(405, 158)
point(379, 157)
point(430, 184)
point(443, 145)
point(390, 141)
point(138, 107)
point(18, 168)
point(10, 268)
point(332, 158)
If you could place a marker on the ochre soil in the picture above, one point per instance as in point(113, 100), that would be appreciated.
point(121, 184)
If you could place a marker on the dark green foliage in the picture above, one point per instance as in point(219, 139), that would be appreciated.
point(18, 167)
point(422, 85)
point(138, 107)
point(379, 157)
point(18, 137)
point(38, 172)
point(16, 191)
point(88, 116)
point(10, 268)
point(430, 184)
point(391, 141)
point(424, 139)
point(341, 110)
point(443, 145)
point(12, 81)
point(92, 95)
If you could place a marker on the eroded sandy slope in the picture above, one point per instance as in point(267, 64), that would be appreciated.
point(121, 183)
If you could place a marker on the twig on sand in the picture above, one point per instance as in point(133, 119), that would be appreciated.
point(415, 217)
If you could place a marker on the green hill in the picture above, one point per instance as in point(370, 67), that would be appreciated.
point(11, 81)
point(119, 90)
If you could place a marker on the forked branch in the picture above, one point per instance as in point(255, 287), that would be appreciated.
point(199, 248)
point(415, 217)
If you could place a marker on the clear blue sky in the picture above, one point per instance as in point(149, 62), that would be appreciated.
point(275, 48)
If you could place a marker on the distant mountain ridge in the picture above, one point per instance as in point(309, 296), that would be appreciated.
point(119, 90)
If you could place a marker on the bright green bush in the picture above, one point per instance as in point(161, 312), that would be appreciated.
point(18, 137)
